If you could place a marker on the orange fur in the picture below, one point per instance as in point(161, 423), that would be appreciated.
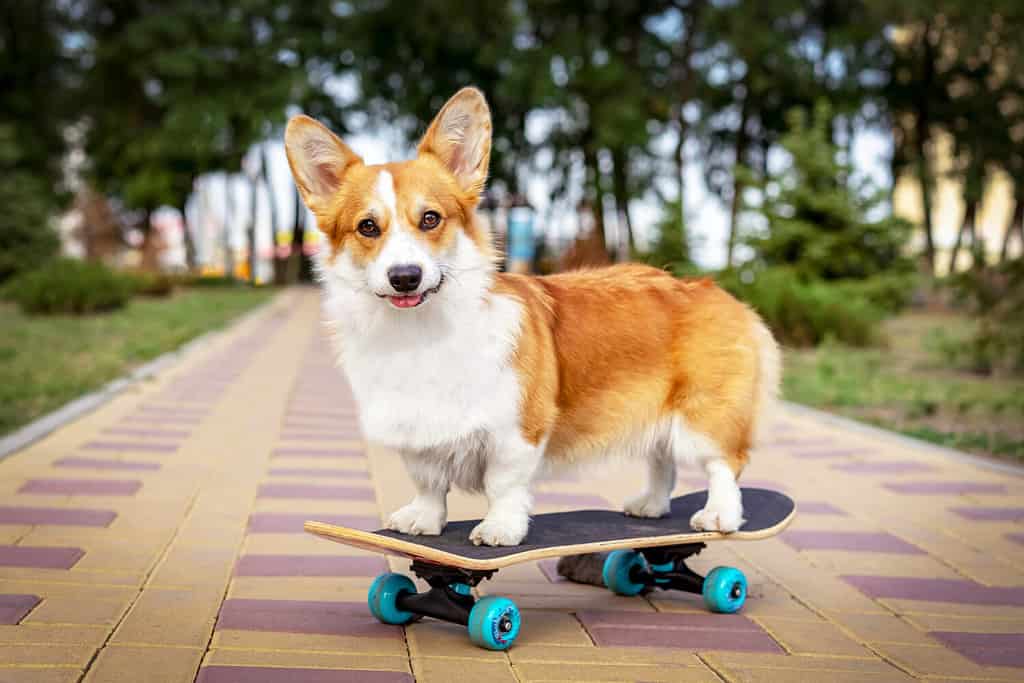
point(604, 353)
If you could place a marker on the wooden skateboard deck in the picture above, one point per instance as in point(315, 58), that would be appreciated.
point(570, 533)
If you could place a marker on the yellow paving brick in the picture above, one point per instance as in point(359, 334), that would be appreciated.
point(548, 627)
point(266, 640)
point(299, 544)
point(313, 507)
point(34, 675)
point(800, 636)
point(310, 659)
point(879, 564)
point(50, 589)
point(536, 673)
point(12, 533)
point(170, 617)
point(431, 638)
point(445, 670)
point(918, 607)
point(74, 576)
point(118, 664)
point(343, 588)
point(24, 654)
point(48, 634)
point(881, 628)
point(558, 655)
point(760, 668)
point(947, 622)
point(189, 565)
point(80, 609)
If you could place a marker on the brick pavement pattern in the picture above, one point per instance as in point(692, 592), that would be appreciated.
point(160, 539)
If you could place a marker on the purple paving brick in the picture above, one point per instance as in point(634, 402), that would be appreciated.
point(884, 467)
point(106, 464)
point(321, 436)
point(10, 514)
point(303, 616)
point(283, 490)
point(689, 631)
point(38, 557)
point(82, 487)
point(320, 426)
point(854, 541)
point(158, 419)
point(149, 433)
point(945, 487)
point(987, 649)
point(825, 453)
point(1016, 538)
point(316, 472)
point(190, 411)
point(291, 523)
point(319, 452)
point(14, 607)
point(220, 673)
point(956, 591)
point(990, 514)
point(309, 565)
point(581, 500)
point(817, 507)
point(297, 412)
point(130, 446)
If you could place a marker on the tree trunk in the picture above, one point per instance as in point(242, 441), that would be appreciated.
point(922, 133)
point(742, 142)
point(297, 268)
point(620, 187)
point(229, 253)
point(593, 171)
point(967, 225)
point(190, 244)
point(254, 186)
point(1016, 224)
point(680, 161)
point(278, 265)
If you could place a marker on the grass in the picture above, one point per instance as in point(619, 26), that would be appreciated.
point(911, 387)
point(46, 361)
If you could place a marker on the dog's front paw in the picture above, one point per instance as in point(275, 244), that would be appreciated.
point(503, 532)
point(417, 520)
point(724, 518)
point(647, 505)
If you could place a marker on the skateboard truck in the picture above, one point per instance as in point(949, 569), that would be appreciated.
point(492, 621)
point(631, 572)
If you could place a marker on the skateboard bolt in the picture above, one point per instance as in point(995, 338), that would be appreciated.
point(505, 625)
point(736, 591)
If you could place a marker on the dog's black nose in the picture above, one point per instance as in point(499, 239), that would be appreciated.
point(405, 278)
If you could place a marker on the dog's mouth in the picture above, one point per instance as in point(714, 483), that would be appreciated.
point(413, 300)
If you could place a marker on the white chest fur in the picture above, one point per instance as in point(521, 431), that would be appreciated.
point(430, 376)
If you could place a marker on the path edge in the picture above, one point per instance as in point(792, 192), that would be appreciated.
point(905, 440)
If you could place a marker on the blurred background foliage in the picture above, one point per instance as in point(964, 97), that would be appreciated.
point(127, 103)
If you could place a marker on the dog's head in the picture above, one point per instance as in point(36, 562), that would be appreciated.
point(401, 232)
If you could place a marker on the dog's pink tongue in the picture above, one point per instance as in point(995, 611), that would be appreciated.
point(406, 301)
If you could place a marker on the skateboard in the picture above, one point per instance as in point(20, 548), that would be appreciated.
point(645, 554)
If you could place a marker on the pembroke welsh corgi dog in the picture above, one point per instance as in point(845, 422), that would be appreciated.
point(482, 380)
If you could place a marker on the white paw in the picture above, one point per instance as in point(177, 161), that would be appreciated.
point(722, 518)
point(647, 505)
point(417, 520)
point(499, 532)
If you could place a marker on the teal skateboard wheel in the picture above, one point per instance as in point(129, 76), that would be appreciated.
point(725, 590)
point(616, 571)
point(383, 598)
point(494, 623)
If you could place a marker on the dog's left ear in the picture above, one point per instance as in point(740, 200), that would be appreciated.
point(460, 137)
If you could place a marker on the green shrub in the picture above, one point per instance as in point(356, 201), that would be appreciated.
point(151, 284)
point(803, 313)
point(70, 286)
point(995, 296)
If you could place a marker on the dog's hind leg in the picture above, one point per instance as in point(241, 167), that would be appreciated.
point(661, 479)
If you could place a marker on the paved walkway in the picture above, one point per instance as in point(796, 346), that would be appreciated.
point(159, 538)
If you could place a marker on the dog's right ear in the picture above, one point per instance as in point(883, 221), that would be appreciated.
point(318, 159)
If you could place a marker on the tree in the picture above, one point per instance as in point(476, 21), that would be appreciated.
point(821, 228)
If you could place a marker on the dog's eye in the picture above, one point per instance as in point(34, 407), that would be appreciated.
point(430, 220)
point(367, 228)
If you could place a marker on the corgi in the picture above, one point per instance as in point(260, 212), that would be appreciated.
point(483, 380)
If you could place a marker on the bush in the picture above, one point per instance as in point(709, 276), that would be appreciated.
point(802, 313)
point(995, 295)
point(151, 284)
point(70, 286)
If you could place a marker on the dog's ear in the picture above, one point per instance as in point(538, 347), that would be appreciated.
point(318, 159)
point(460, 137)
